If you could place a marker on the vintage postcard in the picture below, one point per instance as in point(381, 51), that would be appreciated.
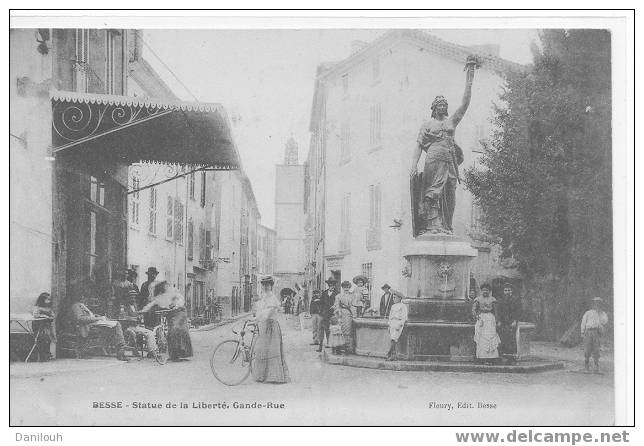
point(285, 221)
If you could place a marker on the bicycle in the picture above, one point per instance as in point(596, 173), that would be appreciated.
point(232, 360)
point(160, 334)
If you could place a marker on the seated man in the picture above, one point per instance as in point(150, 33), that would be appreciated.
point(88, 321)
point(139, 330)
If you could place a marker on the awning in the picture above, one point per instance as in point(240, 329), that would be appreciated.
point(132, 130)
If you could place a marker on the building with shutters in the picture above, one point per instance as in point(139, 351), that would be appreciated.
point(86, 112)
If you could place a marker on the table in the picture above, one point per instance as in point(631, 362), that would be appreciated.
point(23, 324)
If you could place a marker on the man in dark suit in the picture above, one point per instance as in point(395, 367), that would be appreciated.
point(327, 299)
point(386, 301)
point(87, 321)
point(145, 294)
point(508, 314)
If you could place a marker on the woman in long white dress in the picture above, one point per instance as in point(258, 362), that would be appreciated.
point(485, 335)
point(268, 353)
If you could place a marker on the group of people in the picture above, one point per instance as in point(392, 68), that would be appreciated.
point(295, 301)
point(497, 321)
point(127, 303)
point(333, 310)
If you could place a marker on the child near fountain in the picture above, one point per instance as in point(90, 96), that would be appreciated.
point(336, 340)
point(397, 318)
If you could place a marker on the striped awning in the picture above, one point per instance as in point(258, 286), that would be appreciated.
point(132, 130)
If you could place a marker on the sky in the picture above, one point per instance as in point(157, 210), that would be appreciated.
point(265, 80)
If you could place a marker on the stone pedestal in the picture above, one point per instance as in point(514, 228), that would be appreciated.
point(438, 268)
point(438, 278)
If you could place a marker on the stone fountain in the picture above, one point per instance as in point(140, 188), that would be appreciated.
point(440, 325)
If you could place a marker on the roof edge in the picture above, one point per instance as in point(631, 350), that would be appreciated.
point(438, 46)
point(93, 98)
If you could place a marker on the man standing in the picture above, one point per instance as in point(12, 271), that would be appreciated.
point(593, 325)
point(386, 301)
point(327, 299)
point(507, 322)
point(134, 288)
point(316, 317)
point(120, 292)
point(146, 292)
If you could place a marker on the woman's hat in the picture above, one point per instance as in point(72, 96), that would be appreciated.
point(346, 284)
point(360, 277)
point(486, 285)
point(331, 280)
point(267, 280)
point(398, 294)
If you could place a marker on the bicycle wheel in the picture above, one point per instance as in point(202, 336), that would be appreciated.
point(162, 346)
point(228, 364)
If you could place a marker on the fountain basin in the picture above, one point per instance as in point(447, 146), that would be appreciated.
point(427, 341)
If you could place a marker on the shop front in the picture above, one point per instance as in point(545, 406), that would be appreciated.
point(95, 139)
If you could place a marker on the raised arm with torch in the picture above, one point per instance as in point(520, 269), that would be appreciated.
point(434, 191)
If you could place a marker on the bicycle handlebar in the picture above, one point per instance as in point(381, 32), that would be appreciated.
point(247, 322)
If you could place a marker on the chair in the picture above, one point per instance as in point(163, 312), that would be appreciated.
point(71, 342)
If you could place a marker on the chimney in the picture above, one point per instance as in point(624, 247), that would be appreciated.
point(357, 45)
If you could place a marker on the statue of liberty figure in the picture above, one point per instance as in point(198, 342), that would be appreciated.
point(434, 190)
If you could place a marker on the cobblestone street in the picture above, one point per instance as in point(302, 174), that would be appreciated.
point(319, 393)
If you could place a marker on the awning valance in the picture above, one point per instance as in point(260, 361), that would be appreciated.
point(131, 130)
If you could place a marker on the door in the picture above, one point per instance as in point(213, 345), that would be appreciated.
point(96, 220)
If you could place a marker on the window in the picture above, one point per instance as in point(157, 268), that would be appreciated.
point(169, 218)
point(152, 227)
point(345, 84)
point(374, 125)
point(110, 61)
point(97, 191)
point(202, 242)
point(375, 70)
point(178, 221)
point(375, 205)
point(135, 202)
point(82, 57)
point(345, 141)
point(92, 244)
point(180, 282)
point(375, 198)
point(345, 223)
point(203, 189)
point(191, 186)
point(191, 245)
point(208, 249)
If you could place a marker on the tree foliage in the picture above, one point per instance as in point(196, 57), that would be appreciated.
point(544, 180)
